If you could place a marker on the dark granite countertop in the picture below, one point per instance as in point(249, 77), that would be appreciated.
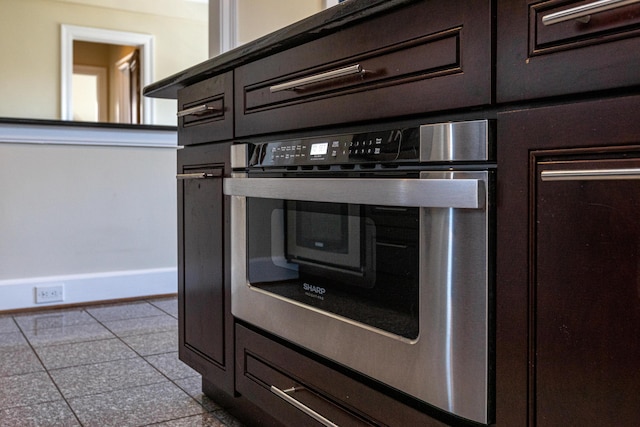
point(313, 27)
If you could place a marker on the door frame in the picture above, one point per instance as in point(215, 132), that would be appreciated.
point(70, 33)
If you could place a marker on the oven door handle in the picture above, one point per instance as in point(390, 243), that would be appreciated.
point(430, 193)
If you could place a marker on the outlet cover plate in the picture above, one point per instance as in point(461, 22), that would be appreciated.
point(53, 293)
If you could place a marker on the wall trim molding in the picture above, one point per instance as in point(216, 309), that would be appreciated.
point(88, 136)
point(84, 288)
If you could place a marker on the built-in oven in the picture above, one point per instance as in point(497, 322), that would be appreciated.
point(373, 249)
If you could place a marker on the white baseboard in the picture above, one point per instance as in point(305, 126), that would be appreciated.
point(83, 288)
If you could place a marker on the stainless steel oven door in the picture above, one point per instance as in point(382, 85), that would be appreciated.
point(447, 364)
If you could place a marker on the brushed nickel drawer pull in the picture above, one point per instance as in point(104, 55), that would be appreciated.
point(197, 175)
point(301, 406)
point(583, 12)
point(197, 110)
point(317, 78)
point(590, 174)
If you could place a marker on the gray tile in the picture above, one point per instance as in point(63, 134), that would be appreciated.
point(135, 406)
point(84, 353)
point(124, 311)
point(54, 319)
point(104, 377)
point(227, 419)
point(8, 325)
point(168, 305)
point(27, 389)
point(148, 344)
point(171, 366)
point(18, 362)
point(201, 420)
point(55, 413)
point(67, 334)
point(145, 325)
point(193, 387)
point(12, 341)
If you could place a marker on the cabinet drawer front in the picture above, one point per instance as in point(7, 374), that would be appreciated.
point(426, 57)
point(263, 364)
point(547, 48)
point(205, 111)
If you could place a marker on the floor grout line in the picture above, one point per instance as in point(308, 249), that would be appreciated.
point(48, 374)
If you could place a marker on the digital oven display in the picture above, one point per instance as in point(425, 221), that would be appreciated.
point(319, 149)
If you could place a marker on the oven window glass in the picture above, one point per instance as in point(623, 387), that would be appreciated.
point(319, 226)
point(359, 262)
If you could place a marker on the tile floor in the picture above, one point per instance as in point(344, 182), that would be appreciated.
point(100, 365)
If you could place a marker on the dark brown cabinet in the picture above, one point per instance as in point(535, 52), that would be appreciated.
point(536, 60)
point(205, 322)
point(568, 264)
point(587, 288)
point(428, 56)
point(565, 97)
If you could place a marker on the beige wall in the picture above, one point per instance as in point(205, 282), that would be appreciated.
point(257, 18)
point(30, 48)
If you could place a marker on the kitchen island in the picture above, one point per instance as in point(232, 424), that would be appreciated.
point(561, 96)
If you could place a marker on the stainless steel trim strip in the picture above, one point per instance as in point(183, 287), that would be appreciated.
point(239, 155)
point(318, 78)
point(433, 193)
point(301, 406)
point(590, 174)
point(199, 109)
point(455, 141)
point(585, 10)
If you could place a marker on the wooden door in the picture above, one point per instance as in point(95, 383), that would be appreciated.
point(586, 293)
point(567, 268)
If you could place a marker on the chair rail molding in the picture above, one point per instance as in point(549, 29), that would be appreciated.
point(52, 134)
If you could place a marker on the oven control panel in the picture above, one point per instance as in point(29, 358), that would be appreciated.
point(372, 147)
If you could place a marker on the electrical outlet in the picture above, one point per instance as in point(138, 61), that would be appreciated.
point(53, 293)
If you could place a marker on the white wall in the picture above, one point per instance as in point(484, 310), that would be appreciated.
point(92, 208)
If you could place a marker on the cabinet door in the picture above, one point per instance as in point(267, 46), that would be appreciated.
point(203, 270)
point(568, 272)
point(204, 309)
point(587, 289)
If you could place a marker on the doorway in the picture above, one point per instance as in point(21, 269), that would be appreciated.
point(127, 59)
point(106, 83)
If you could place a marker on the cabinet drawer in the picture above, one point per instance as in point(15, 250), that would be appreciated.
point(429, 56)
point(537, 59)
point(266, 369)
point(205, 111)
